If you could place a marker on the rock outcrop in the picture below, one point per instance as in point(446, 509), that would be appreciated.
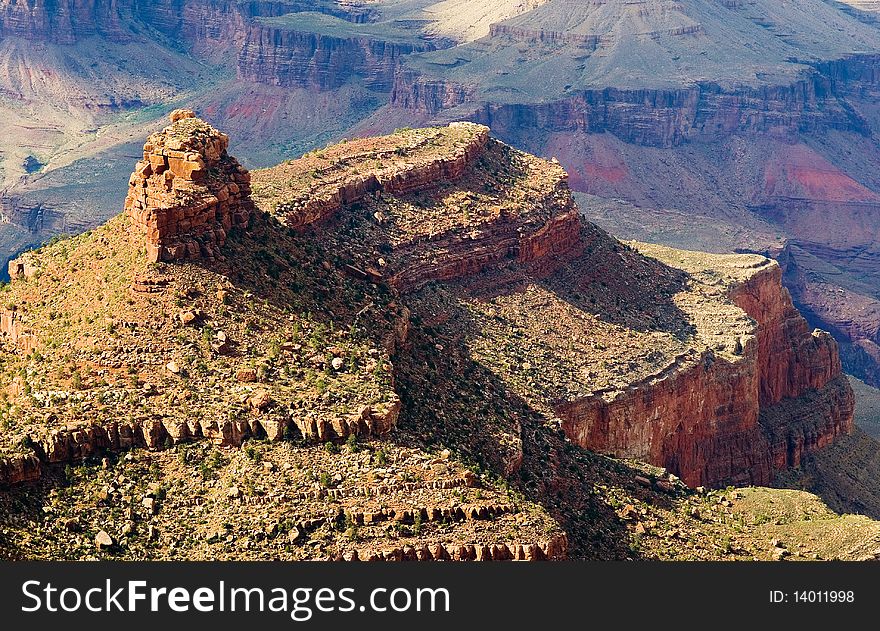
point(716, 420)
point(12, 326)
point(330, 183)
point(554, 549)
point(73, 446)
point(187, 193)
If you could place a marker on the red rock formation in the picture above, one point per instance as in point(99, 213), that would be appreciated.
point(20, 468)
point(316, 204)
point(699, 419)
point(792, 360)
point(187, 193)
point(504, 240)
point(716, 422)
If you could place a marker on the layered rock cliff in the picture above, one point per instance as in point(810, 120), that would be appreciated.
point(729, 419)
point(292, 55)
point(65, 22)
point(659, 117)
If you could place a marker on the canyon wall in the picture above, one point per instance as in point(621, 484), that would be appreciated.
point(285, 56)
point(428, 95)
point(660, 117)
point(699, 419)
point(65, 21)
point(207, 27)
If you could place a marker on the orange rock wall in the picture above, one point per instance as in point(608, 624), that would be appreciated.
point(715, 422)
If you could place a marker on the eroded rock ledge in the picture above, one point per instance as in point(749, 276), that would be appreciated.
point(716, 418)
point(321, 183)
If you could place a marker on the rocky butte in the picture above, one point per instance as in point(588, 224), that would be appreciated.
point(187, 193)
point(410, 338)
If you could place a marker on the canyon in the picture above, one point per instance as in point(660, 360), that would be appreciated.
point(767, 145)
point(771, 144)
point(349, 272)
point(436, 287)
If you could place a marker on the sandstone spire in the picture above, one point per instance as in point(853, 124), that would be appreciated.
point(187, 193)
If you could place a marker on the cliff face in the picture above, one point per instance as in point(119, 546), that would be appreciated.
point(805, 401)
point(426, 95)
point(699, 419)
point(716, 420)
point(661, 117)
point(65, 22)
point(207, 27)
point(286, 57)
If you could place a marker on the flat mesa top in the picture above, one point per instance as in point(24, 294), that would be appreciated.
point(426, 183)
point(324, 170)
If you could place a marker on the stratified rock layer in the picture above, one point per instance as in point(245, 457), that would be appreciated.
point(697, 363)
point(720, 400)
point(293, 56)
